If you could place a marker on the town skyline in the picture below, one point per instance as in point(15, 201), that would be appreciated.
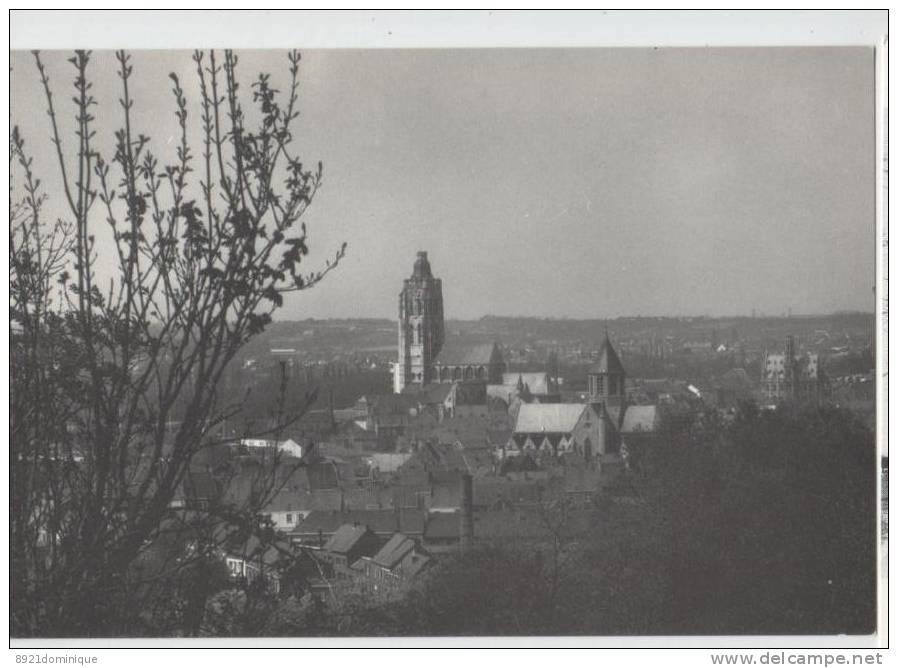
point(563, 183)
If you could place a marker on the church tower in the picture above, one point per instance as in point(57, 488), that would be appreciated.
point(606, 377)
point(420, 326)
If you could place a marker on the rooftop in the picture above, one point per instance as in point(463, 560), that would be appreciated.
point(396, 548)
point(608, 361)
point(549, 418)
point(481, 354)
point(345, 538)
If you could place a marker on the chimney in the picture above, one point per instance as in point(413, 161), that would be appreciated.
point(466, 527)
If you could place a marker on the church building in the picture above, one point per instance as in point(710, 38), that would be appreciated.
point(423, 357)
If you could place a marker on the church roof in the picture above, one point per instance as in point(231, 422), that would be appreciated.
point(608, 362)
point(640, 419)
point(549, 418)
point(479, 354)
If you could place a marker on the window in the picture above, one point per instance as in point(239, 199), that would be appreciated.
point(289, 518)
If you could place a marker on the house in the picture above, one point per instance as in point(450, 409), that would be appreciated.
point(438, 399)
point(287, 508)
point(395, 564)
point(433, 458)
point(348, 544)
point(251, 559)
point(287, 447)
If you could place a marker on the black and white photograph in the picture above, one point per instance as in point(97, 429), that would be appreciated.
point(463, 343)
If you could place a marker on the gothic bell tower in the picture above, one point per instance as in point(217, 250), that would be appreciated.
point(420, 326)
point(607, 378)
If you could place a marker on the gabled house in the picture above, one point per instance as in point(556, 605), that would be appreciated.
point(348, 544)
point(394, 565)
point(438, 399)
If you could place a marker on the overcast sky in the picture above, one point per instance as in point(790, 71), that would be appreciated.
point(579, 183)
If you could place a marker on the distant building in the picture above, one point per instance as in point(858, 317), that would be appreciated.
point(527, 387)
point(421, 328)
point(394, 565)
point(788, 376)
point(287, 447)
point(591, 432)
point(348, 544)
point(422, 357)
point(558, 429)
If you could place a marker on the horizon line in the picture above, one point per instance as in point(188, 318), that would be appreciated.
point(705, 316)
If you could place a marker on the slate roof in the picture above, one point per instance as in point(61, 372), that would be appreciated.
point(608, 361)
point(640, 419)
point(396, 548)
point(345, 538)
point(549, 418)
point(478, 354)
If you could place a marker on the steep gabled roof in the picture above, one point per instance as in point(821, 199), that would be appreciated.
point(345, 538)
point(478, 354)
point(608, 362)
point(392, 553)
point(549, 418)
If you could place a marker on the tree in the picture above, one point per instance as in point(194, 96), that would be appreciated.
point(115, 359)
